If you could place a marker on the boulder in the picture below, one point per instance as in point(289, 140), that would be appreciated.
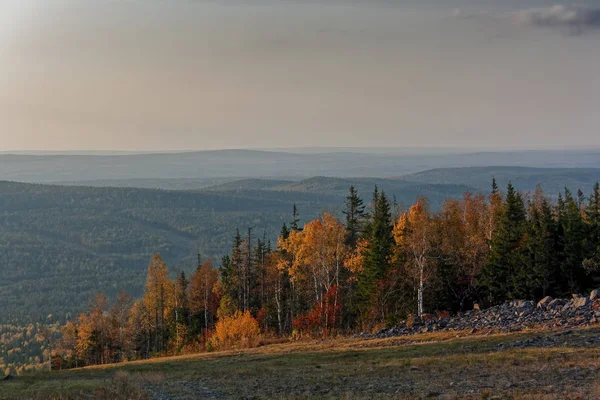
point(543, 303)
point(556, 303)
point(595, 294)
point(521, 304)
point(580, 302)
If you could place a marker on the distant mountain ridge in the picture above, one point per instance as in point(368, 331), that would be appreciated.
point(552, 180)
point(269, 164)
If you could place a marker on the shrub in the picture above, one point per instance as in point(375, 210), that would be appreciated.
point(238, 330)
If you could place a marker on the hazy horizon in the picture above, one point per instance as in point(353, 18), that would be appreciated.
point(311, 150)
point(136, 76)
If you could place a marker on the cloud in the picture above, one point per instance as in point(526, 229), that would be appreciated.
point(572, 20)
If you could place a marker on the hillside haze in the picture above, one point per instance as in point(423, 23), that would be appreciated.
point(63, 168)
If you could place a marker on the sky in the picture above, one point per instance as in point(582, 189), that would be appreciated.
point(157, 75)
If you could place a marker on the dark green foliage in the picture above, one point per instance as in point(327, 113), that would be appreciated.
point(573, 234)
point(542, 248)
point(377, 257)
point(354, 211)
point(295, 223)
point(60, 245)
point(503, 275)
point(591, 264)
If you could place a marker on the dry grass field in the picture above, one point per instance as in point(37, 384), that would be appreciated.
point(526, 365)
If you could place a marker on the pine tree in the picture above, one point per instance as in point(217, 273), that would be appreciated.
point(354, 211)
point(501, 275)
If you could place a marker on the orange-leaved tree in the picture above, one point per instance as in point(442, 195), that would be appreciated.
point(414, 235)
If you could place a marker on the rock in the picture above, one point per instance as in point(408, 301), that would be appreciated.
point(595, 294)
point(556, 303)
point(510, 316)
point(521, 304)
point(580, 302)
point(543, 303)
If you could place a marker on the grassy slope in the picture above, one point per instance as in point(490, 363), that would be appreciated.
point(443, 365)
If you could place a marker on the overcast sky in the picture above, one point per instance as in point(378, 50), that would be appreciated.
point(183, 74)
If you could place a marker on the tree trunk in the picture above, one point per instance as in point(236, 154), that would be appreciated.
point(420, 296)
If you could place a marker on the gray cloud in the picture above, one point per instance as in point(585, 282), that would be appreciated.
point(571, 20)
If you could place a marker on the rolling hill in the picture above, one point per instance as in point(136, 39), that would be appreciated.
point(60, 244)
point(268, 164)
point(553, 180)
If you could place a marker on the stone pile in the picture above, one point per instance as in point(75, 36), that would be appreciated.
point(514, 315)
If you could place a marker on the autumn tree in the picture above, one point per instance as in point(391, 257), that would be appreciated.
point(181, 310)
point(120, 333)
point(203, 301)
point(414, 234)
point(319, 254)
point(159, 300)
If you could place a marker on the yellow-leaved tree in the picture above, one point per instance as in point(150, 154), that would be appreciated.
point(159, 301)
point(414, 233)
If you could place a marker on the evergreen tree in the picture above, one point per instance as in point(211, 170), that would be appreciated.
point(231, 268)
point(354, 211)
point(504, 268)
point(542, 243)
point(378, 253)
point(295, 224)
point(591, 264)
point(285, 232)
point(573, 232)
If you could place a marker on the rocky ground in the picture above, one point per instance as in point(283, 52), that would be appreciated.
point(515, 315)
point(518, 350)
point(543, 365)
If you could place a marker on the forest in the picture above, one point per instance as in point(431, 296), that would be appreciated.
point(378, 264)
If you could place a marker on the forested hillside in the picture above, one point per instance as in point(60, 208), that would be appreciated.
point(327, 277)
point(61, 244)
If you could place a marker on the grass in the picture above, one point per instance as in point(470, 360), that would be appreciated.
point(438, 365)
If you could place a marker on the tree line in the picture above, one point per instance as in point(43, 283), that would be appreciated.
point(381, 264)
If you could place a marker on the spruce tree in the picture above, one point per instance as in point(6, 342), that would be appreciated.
point(285, 231)
point(591, 264)
point(295, 223)
point(507, 259)
point(573, 231)
point(542, 255)
point(378, 253)
point(231, 268)
point(354, 211)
